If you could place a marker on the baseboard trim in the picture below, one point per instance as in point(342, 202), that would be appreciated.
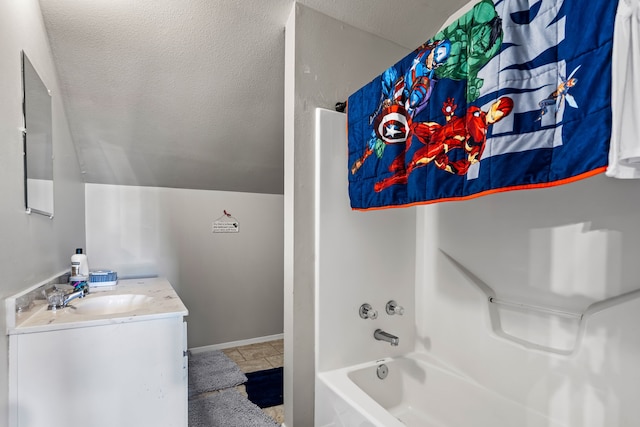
point(222, 346)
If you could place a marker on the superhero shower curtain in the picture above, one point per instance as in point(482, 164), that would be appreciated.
point(514, 94)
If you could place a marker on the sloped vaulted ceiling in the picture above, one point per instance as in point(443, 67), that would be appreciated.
point(189, 93)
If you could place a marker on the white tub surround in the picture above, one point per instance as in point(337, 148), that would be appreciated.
point(117, 359)
point(361, 257)
point(162, 301)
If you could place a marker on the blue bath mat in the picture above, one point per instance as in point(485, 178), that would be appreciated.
point(264, 388)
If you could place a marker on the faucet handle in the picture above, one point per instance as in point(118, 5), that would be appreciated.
point(394, 308)
point(367, 312)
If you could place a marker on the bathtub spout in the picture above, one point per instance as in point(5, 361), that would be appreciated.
point(381, 335)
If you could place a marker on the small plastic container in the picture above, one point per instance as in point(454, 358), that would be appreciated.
point(102, 278)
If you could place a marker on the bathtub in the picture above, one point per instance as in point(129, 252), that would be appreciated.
point(418, 391)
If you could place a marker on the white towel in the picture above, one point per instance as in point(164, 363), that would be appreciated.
point(624, 152)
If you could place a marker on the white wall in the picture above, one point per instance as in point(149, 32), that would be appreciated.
point(231, 283)
point(32, 247)
point(362, 257)
point(566, 247)
point(325, 61)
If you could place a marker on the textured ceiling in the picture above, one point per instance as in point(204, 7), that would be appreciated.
point(189, 93)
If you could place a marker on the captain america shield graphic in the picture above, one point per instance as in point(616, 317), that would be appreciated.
point(391, 125)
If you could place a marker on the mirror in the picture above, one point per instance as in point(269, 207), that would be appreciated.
point(37, 140)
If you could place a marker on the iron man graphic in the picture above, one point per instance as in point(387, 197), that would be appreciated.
point(461, 137)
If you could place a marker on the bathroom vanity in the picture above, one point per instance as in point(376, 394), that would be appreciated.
point(116, 358)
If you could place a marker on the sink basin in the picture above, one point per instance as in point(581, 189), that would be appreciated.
point(110, 304)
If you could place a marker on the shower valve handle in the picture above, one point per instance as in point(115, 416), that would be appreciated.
point(367, 312)
point(394, 308)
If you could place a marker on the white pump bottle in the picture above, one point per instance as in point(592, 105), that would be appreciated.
point(79, 263)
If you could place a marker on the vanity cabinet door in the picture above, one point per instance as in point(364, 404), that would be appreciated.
point(127, 374)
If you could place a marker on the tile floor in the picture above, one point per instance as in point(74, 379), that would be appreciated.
point(256, 357)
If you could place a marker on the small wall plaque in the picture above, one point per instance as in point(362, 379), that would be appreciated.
point(225, 224)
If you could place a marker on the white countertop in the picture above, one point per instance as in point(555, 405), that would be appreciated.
point(164, 302)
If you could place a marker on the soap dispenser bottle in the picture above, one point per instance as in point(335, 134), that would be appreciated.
point(79, 263)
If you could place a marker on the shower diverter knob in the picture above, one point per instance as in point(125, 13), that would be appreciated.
point(394, 308)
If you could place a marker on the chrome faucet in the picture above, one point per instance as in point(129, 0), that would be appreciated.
point(73, 295)
point(59, 300)
point(381, 335)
